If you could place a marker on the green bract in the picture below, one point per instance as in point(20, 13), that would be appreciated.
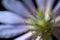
point(42, 26)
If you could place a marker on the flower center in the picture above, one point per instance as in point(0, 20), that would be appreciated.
point(41, 25)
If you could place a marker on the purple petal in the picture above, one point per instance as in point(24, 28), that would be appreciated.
point(49, 4)
point(16, 6)
point(57, 9)
point(30, 38)
point(30, 5)
point(11, 31)
point(57, 13)
point(57, 19)
point(9, 17)
point(7, 31)
point(24, 37)
point(41, 4)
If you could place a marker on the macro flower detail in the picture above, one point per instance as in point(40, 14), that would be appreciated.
point(36, 17)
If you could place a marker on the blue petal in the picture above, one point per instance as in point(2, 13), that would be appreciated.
point(49, 4)
point(57, 13)
point(8, 31)
point(30, 5)
point(57, 7)
point(41, 4)
point(16, 6)
point(24, 37)
point(10, 17)
point(57, 19)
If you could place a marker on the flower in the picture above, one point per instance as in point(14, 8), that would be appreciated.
point(23, 15)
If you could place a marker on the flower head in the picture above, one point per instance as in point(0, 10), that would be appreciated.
point(38, 16)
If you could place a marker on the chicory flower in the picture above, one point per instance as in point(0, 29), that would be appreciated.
point(24, 16)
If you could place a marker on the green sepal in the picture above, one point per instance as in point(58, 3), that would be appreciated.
point(40, 14)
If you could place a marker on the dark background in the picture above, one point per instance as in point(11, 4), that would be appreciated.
point(2, 8)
